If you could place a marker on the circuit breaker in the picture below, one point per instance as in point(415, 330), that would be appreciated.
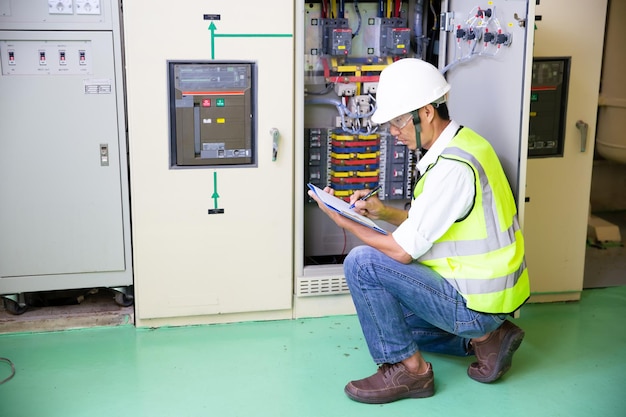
point(336, 37)
point(212, 109)
point(395, 36)
point(548, 106)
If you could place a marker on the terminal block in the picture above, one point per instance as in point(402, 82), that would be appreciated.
point(345, 90)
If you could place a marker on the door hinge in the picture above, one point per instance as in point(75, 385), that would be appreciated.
point(446, 22)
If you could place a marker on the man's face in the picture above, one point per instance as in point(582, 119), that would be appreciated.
point(403, 128)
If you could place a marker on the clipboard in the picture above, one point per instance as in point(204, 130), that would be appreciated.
point(344, 209)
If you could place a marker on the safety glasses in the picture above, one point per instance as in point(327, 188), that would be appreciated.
point(401, 121)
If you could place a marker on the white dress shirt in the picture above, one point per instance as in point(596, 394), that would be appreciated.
point(447, 196)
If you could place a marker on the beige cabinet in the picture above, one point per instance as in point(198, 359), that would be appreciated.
point(195, 264)
point(558, 188)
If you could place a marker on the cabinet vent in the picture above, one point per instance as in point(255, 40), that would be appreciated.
point(315, 286)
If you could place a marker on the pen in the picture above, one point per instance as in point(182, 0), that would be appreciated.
point(366, 196)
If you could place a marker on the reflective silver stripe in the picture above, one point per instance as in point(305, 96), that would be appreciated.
point(472, 247)
point(486, 286)
point(495, 239)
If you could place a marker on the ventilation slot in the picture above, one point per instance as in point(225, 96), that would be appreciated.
point(321, 286)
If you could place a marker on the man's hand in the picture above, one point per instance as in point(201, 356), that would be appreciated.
point(372, 207)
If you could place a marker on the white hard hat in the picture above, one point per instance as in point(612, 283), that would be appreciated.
point(407, 85)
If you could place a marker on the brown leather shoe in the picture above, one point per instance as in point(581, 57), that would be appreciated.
point(495, 354)
point(391, 383)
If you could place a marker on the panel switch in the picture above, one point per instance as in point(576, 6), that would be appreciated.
point(104, 155)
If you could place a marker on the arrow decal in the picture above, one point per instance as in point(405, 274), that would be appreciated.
point(214, 35)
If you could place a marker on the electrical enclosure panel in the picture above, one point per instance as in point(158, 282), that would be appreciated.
point(212, 113)
point(65, 212)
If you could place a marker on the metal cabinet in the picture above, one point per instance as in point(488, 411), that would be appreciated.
point(64, 217)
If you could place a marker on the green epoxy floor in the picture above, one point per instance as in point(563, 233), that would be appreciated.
point(571, 363)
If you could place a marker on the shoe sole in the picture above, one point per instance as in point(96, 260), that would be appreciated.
point(505, 359)
point(411, 394)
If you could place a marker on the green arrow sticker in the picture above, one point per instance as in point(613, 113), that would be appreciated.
point(215, 196)
point(214, 35)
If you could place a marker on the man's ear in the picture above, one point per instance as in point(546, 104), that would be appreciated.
point(429, 112)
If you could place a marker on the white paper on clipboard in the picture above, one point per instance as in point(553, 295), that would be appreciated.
point(344, 209)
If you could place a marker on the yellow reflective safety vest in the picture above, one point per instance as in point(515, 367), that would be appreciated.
point(482, 254)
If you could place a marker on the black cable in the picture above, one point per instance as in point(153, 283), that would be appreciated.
point(358, 13)
point(12, 370)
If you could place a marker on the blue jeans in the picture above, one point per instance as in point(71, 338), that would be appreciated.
point(404, 308)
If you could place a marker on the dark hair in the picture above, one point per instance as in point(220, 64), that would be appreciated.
point(442, 111)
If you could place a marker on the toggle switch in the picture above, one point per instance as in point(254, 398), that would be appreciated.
point(104, 155)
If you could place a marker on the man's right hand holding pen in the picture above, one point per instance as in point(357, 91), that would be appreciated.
point(367, 203)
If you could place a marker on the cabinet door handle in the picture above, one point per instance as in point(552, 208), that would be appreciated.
point(583, 127)
point(275, 137)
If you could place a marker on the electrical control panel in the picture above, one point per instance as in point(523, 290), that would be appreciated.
point(64, 143)
point(212, 113)
point(347, 46)
point(548, 106)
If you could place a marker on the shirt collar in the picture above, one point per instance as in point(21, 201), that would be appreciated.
point(440, 144)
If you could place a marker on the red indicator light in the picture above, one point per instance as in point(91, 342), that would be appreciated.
point(206, 102)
